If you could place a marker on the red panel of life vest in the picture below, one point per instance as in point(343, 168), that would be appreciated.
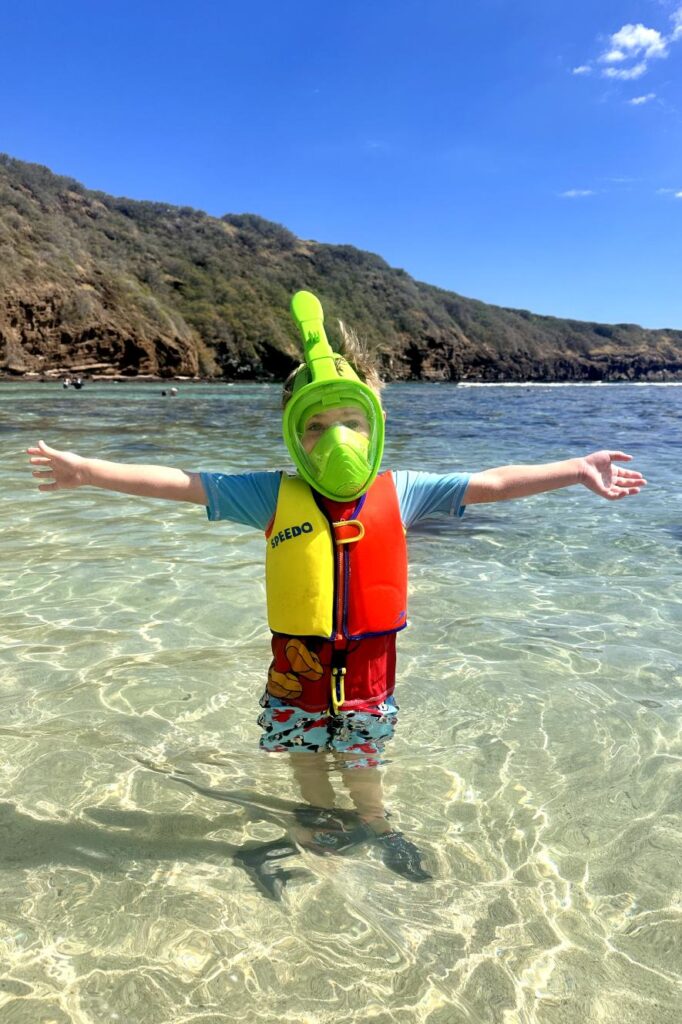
point(376, 566)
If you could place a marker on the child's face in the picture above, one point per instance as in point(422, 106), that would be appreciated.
point(343, 416)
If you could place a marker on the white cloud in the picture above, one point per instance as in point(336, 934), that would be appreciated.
point(629, 51)
point(627, 74)
point(678, 195)
point(676, 18)
point(577, 193)
point(637, 101)
point(636, 40)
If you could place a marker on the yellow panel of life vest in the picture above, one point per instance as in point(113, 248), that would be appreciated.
point(299, 565)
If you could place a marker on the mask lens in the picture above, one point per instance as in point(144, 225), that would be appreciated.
point(316, 425)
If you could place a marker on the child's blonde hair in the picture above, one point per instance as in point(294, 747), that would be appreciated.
point(355, 352)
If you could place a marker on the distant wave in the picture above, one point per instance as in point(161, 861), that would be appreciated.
point(572, 384)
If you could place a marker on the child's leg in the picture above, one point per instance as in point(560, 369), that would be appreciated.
point(365, 789)
point(321, 826)
point(312, 778)
point(358, 745)
point(364, 785)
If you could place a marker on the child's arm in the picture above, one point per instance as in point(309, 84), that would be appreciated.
point(598, 472)
point(67, 470)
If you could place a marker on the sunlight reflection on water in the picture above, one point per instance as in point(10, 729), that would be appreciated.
point(536, 763)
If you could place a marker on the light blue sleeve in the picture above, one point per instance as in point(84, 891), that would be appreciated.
point(248, 498)
point(429, 494)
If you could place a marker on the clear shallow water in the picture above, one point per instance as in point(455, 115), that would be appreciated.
point(536, 763)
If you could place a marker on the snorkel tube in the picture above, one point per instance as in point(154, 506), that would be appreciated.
point(343, 462)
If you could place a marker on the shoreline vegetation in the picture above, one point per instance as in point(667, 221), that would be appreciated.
point(110, 288)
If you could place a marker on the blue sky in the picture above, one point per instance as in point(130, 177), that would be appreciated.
point(522, 152)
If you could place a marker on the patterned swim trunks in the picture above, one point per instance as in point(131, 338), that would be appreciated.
point(362, 733)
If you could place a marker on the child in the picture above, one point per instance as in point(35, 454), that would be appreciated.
point(336, 571)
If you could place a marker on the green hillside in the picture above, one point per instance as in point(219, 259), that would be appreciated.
point(109, 286)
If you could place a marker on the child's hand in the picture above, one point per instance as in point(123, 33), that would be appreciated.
point(61, 469)
point(602, 476)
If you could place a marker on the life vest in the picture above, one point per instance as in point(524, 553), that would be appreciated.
point(336, 579)
point(328, 580)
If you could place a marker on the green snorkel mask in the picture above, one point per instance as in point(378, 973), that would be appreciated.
point(333, 423)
